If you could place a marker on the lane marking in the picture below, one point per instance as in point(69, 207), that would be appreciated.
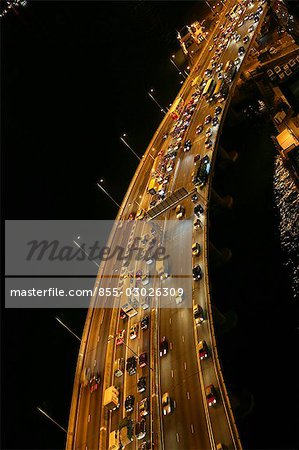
point(188, 395)
point(171, 345)
point(172, 373)
point(95, 363)
point(170, 320)
point(192, 428)
point(185, 365)
point(177, 437)
point(88, 417)
point(183, 338)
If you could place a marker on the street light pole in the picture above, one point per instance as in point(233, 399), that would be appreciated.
point(67, 328)
point(178, 69)
point(51, 419)
point(157, 103)
point(129, 147)
point(108, 195)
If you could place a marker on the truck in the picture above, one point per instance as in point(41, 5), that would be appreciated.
point(161, 268)
point(111, 398)
point(118, 439)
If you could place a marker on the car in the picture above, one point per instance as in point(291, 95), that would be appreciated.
point(180, 212)
point(194, 197)
point(170, 166)
point(218, 110)
point(196, 158)
point(211, 47)
point(246, 39)
point(241, 50)
point(198, 314)
point(140, 429)
point(122, 314)
point(154, 200)
point(220, 75)
point(272, 51)
point(164, 346)
point(237, 61)
point(203, 350)
point(179, 296)
point(147, 446)
point(134, 331)
point(251, 29)
point(143, 359)
point(120, 337)
point(195, 249)
point(208, 73)
point(215, 121)
point(211, 395)
point(131, 365)
point(197, 273)
point(209, 132)
point(187, 146)
point(140, 214)
point(141, 384)
point(131, 216)
point(197, 224)
point(208, 143)
point(145, 303)
point(144, 323)
point(199, 128)
point(237, 37)
point(144, 407)
point(129, 403)
point(168, 404)
point(165, 136)
point(256, 18)
point(145, 278)
point(208, 119)
point(198, 210)
point(219, 67)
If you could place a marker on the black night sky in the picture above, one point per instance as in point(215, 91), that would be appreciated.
point(75, 76)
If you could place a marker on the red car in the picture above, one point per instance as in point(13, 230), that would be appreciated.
point(211, 395)
point(120, 337)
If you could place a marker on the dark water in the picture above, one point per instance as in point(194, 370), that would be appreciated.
point(255, 289)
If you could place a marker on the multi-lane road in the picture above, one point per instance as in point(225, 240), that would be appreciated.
point(192, 423)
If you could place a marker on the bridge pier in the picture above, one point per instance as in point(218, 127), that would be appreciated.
point(219, 257)
point(226, 159)
point(222, 202)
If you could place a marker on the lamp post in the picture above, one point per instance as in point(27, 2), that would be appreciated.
point(99, 184)
point(67, 328)
point(154, 100)
point(51, 419)
point(127, 145)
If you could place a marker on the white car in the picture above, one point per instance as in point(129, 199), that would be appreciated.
point(178, 297)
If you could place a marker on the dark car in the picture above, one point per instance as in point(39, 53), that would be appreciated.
point(143, 360)
point(131, 365)
point(199, 129)
point(198, 210)
point(129, 403)
point(187, 146)
point(144, 323)
point(140, 429)
point(218, 110)
point(241, 50)
point(194, 198)
point(197, 273)
point(215, 121)
point(164, 346)
point(141, 384)
point(211, 395)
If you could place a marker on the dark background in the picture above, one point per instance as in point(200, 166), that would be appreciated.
point(74, 77)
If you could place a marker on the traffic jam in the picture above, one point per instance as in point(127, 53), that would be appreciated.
point(187, 136)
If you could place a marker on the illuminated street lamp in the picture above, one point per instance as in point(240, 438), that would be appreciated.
point(178, 69)
point(51, 419)
point(127, 145)
point(105, 192)
point(154, 100)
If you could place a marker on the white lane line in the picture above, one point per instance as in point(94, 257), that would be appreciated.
point(103, 316)
point(172, 373)
point(99, 338)
point(89, 417)
point(171, 345)
point(185, 365)
point(188, 395)
point(183, 338)
point(192, 428)
point(177, 437)
point(170, 320)
point(95, 363)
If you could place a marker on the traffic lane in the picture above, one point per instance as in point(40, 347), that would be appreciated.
point(179, 377)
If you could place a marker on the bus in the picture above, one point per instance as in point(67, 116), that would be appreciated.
point(209, 88)
point(153, 186)
point(129, 310)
